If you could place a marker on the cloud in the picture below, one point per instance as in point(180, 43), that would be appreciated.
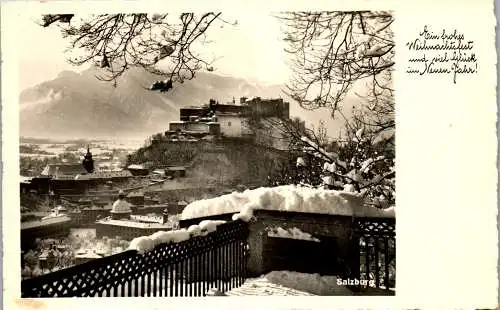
point(43, 102)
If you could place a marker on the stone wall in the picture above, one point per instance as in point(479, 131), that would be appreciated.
point(327, 228)
point(321, 226)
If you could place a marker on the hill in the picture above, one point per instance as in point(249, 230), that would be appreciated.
point(78, 105)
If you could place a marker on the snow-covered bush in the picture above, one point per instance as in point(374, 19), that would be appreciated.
point(361, 162)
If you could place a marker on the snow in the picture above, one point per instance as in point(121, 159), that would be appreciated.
point(328, 180)
point(291, 233)
point(289, 198)
point(194, 230)
point(330, 167)
point(300, 162)
point(308, 141)
point(359, 133)
point(366, 164)
point(208, 226)
point(355, 175)
point(133, 166)
point(349, 188)
point(142, 244)
point(146, 244)
point(311, 283)
point(376, 51)
point(332, 155)
point(342, 163)
point(263, 287)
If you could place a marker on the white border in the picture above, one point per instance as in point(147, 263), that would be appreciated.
point(446, 165)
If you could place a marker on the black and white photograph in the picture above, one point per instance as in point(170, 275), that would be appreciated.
point(193, 154)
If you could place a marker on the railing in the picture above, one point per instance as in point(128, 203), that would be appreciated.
point(377, 251)
point(188, 268)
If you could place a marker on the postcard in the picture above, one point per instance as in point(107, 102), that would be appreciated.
point(249, 155)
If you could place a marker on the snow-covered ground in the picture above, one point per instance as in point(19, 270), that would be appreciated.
point(285, 198)
point(290, 283)
point(275, 283)
point(263, 287)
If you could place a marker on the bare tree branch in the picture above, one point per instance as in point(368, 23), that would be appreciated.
point(332, 52)
point(160, 43)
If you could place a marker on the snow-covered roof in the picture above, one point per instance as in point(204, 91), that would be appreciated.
point(134, 224)
point(48, 221)
point(104, 175)
point(26, 179)
point(176, 168)
point(121, 206)
point(285, 198)
point(133, 166)
point(63, 169)
point(88, 255)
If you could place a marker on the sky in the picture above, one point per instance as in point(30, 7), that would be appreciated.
point(252, 49)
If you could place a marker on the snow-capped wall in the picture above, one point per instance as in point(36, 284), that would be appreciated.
point(285, 198)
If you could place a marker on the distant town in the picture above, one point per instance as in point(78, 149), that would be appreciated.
point(85, 200)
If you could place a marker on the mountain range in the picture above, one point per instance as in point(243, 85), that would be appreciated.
point(78, 105)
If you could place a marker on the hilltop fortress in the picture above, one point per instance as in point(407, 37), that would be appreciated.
point(256, 119)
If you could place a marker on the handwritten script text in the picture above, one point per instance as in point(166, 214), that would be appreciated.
point(445, 52)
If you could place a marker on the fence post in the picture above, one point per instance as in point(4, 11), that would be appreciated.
point(256, 240)
point(353, 259)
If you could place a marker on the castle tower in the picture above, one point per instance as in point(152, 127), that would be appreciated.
point(88, 162)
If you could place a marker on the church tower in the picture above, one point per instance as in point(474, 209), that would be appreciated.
point(88, 162)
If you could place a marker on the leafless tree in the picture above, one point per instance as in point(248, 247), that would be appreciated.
point(333, 52)
point(116, 42)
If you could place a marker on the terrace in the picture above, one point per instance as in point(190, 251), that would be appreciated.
point(230, 252)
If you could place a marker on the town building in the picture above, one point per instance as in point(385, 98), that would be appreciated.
point(136, 199)
point(86, 256)
point(55, 227)
point(255, 119)
point(138, 170)
point(123, 223)
point(121, 208)
point(72, 178)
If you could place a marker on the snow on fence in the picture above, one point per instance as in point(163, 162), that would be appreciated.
point(188, 268)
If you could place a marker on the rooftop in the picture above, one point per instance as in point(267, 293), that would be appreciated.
point(104, 175)
point(63, 169)
point(134, 224)
point(134, 166)
point(176, 168)
point(49, 221)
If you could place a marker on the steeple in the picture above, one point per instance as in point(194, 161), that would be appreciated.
point(88, 162)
